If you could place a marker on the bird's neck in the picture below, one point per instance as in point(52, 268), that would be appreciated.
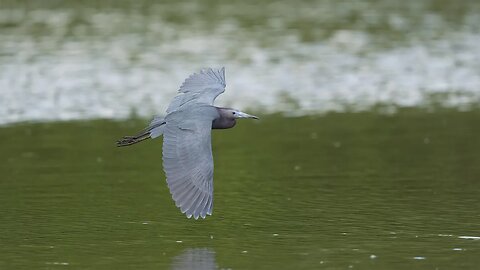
point(223, 123)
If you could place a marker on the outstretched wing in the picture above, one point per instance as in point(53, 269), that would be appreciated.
point(188, 165)
point(202, 87)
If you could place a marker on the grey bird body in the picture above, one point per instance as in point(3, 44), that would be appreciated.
point(187, 150)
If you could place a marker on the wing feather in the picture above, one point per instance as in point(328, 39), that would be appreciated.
point(188, 164)
point(201, 206)
point(206, 78)
point(209, 207)
point(193, 210)
point(192, 202)
point(202, 87)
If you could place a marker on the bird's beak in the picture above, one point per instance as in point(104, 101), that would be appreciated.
point(246, 115)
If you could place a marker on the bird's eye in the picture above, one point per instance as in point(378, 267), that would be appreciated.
point(233, 112)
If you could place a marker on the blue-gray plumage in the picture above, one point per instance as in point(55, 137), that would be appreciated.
point(187, 149)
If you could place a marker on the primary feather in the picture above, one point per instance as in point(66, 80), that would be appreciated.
point(202, 87)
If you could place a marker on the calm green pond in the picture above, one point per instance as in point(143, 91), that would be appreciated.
point(336, 191)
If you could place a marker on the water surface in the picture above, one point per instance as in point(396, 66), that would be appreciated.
point(336, 191)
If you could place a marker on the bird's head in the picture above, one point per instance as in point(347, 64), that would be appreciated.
point(228, 117)
point(239, 114)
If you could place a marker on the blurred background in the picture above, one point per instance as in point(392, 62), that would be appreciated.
point(63, 60)
point(367, 153)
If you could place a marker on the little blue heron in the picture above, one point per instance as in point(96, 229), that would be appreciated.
point(187, 147)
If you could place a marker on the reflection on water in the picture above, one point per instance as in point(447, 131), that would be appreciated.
point(195, 259)
point(109, 59)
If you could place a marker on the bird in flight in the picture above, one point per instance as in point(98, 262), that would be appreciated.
point(187, 147)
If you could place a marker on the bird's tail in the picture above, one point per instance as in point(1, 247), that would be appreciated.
point(154, 130)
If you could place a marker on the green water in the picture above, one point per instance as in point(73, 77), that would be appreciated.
point(338, 191)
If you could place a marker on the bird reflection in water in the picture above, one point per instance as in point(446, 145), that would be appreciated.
point(195, 258)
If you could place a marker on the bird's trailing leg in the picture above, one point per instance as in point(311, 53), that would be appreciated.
point(154, 130)
point(129, 140)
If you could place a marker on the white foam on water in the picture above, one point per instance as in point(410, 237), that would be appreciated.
point(470, 237)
